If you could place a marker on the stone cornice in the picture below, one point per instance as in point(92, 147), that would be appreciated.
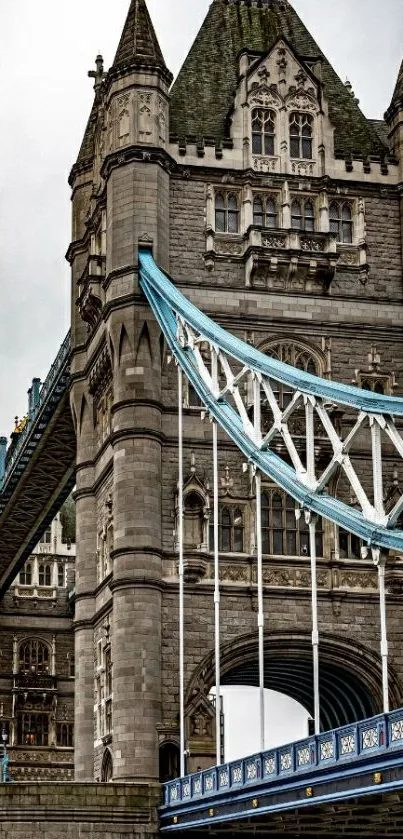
point(241, 177)
point(138, 154)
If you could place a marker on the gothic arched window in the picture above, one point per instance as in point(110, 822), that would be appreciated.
point(33, 657)
point(230, 530)
point(264, 212)
point(349, 545)
point(32, 729)
point(45, 575)
point(107, 767)
point(263, 131)
point(301, 131)
point(193, 518)
point(297, 356)
point(303, 215)
point(341, 221)
point(226, 213)
point(26, 575)
point(65, 734)
point(169, 762)
point(282, 533)
point(60, 576)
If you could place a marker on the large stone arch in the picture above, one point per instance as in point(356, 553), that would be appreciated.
point(350, 674)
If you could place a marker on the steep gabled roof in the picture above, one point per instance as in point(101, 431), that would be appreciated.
point(138, 44)
point(203, 93)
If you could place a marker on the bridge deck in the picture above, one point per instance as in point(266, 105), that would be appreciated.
point(336, 783)
point(39, 471)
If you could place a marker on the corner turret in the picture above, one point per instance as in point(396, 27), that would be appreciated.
point(394, 120)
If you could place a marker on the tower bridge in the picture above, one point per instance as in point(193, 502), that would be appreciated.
point(228, 403)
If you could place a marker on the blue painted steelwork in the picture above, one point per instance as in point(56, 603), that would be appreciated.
point(374, 738)
point(169, 304)
point(42, 402)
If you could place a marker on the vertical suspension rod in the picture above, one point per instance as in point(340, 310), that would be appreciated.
point(379, 560)
point(315, 629)
point(311, 521)
point(260, 615)
point(181, 581)
point(216, 573)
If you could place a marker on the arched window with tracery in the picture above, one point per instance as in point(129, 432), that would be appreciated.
point(33, 657)
point(303, 215)
point(26, 575)
point(226, 212)
point(282, 533)
point(341, 221)
point(263, 131)
point(301, 136)
point(264, 212)
point(45, 574)
point(297, 356)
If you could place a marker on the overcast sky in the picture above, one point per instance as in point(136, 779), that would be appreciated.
point(46, 49)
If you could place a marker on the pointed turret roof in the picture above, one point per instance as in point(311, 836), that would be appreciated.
point(398, 91)
point(86, 152)
point(203, 94)
point(139, 43)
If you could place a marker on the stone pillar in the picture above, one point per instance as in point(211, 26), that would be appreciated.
point(84, 644)
point(136, 584)
point(85, 586)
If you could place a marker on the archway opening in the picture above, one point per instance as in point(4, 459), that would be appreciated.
point(344, 697)
point(350, 677)
point(286, 720)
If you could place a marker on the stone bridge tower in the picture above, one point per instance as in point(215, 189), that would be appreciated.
point(274, 204)
point(120, 197)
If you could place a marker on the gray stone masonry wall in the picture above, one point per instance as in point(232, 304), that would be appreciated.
point(75, 811)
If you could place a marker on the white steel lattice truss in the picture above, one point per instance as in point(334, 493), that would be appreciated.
point(260, 402)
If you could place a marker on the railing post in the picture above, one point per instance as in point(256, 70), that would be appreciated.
point(3, 452)
point(33, 397)
point(181, 579)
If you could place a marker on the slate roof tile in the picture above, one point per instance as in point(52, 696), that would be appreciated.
point(203, 94)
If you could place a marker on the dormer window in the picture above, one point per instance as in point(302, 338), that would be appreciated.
point(303, 215)
point(263, 131)
point(264, 212)
point(301, 131)
point(226, 213)
point(341, 221)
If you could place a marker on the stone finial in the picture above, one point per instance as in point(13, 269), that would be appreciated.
point(99, 74)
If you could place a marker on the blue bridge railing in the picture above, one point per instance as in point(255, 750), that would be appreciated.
point(371, 737)
point(41, 406)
